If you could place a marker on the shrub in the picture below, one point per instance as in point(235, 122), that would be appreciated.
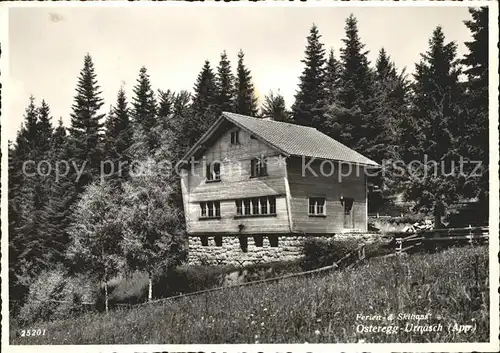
point(324, 252)
point(55, 295)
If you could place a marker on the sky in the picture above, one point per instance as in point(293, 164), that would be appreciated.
point(47, 46)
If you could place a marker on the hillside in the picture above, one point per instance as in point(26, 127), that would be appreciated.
point(452, 286)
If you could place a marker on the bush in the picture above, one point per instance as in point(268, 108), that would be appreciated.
point(187, 279)
point(325, 252)
point(55, 295)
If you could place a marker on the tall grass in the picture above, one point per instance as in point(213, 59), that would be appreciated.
point(452, 286)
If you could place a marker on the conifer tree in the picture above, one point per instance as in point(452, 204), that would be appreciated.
point(165, 107)
point(205, 108)
point(86, 125)
point(308, 107)
point(45, 129)
point(347, 118)
point(224, 83)
point(274, 107)
point(436, 109)
point(246, 102)
point(62, 195)
point(391, 92)
point(332, 78)
point(144, 114)
point(28, 185)
point(118, 139)
point(475, 143)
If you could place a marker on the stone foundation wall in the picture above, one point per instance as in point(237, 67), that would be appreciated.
point(230, 252)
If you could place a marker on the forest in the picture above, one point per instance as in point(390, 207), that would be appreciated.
point(122, 212)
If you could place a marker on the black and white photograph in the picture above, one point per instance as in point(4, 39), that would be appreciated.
point(249, 176)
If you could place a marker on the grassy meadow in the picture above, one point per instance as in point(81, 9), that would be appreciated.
point(451, 285)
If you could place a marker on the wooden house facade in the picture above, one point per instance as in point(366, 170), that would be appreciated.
point(254, 189)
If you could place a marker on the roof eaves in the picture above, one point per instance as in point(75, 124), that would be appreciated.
point(203, 138)
point(374, 165)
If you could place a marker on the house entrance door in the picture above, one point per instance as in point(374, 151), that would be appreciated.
point(348, 216)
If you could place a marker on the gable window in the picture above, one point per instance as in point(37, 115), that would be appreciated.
point(235, 137)
point(256, 206)
point(258, 167)
point(210, 209)
point(213, 172)
point(317, 206)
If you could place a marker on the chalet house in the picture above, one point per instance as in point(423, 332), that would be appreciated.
point(254, 189)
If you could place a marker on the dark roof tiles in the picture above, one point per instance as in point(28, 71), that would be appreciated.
point(298, 140)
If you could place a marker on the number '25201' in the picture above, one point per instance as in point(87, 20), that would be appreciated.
point(33, 333)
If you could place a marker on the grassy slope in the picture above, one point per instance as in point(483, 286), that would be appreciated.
point(292, 311)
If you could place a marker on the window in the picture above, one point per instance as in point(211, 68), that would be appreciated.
point(256, 206)
point(213, 171)
point(204, 240)
point(239, 207)
point(273, 241)
point(259, 240)
point(210, 209)
point(272, 204)
point(258, 167)
point(218, 240)
point(263, 205)
point(246, 202)
point(317, 206)
point(235, 137)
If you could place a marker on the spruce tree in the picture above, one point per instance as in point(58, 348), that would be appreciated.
point(29, 183)
point(437, 110)
point(45, 128)
point(274, 107)
point(144, 114)
point(118, 139)
point(308, 107)
point(391, 93)
point(62, 195)
point(348, 116)
point(246, 101)
point(475, 143)
point(205, 108)
point(224, 83)
point(165, 107)
point(332, 78)
point(86, 125)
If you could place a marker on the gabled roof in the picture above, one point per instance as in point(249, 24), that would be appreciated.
point(290, 139)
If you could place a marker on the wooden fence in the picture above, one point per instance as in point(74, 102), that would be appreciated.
point(469, 235)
